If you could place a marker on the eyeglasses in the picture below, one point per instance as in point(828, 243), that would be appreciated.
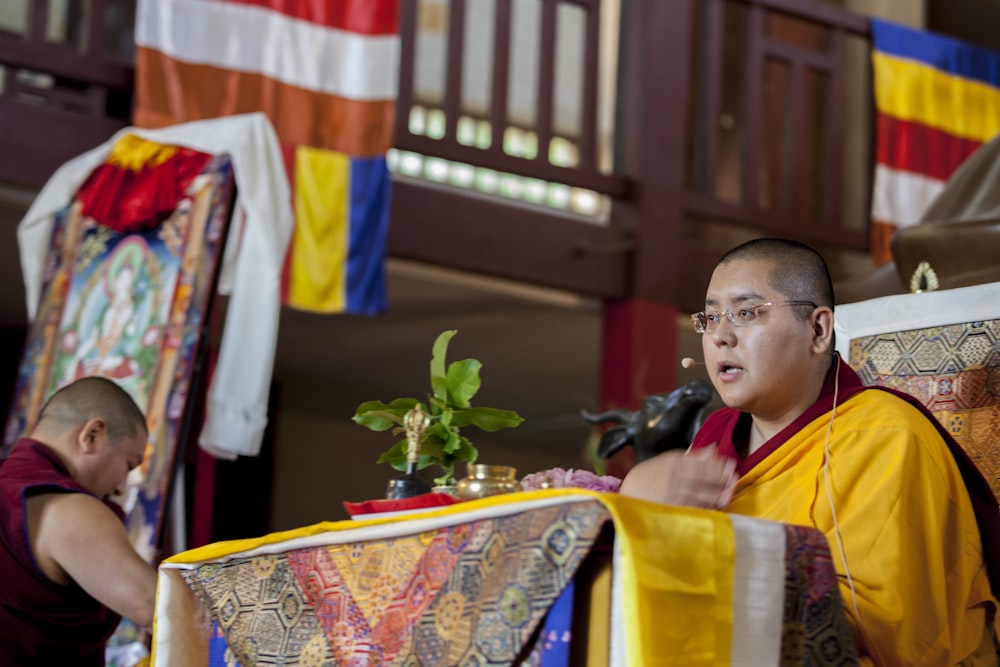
point(707, 322)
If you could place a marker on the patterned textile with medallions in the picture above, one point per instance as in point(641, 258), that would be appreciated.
point(943, 348)
point(472, 591)
point(521, 579)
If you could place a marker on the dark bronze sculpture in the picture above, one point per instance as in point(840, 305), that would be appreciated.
point(664, 422)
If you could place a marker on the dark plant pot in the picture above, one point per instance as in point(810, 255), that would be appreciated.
point(406, 486)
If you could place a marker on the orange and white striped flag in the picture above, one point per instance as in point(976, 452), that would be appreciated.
point(325, 72)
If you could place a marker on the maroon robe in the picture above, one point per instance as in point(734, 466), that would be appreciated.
point(42, 622)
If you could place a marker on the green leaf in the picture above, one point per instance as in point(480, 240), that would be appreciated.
point(426, 462)
point(488, 419)
point(440, 435)
point(439, 391)
point(462, 451)
point(438, 404)
point(463, 381)
point(404, 404)
point(467, 453)
point(431, 448)
point(396, 456)
point(446, 478)
point(435, 456)
point(439, 352)
point(378, 420)
point(453, 442)
point(379, 416)
point(396, 404)
point(449, 407)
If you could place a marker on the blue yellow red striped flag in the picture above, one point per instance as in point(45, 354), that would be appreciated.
point(325, 72)
point(937, 100)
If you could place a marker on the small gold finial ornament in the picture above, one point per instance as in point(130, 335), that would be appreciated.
point(924, 279)
point(415, 422)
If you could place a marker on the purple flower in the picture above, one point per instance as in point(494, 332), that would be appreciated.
point(560, 478)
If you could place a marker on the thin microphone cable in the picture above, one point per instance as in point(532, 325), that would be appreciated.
point(829, 495)
point(833, 512)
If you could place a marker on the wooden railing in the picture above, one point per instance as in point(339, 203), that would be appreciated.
point(734, 120)
point(65, 88)
point(467, 230)
point(585, 173)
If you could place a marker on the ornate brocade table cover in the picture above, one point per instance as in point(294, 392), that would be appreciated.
point(476, 585)
point(468, 593)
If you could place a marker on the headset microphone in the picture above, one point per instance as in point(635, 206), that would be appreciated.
point(688, 362)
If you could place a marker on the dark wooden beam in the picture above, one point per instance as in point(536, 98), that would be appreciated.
point(407, 49)
point(64, 61)
point(713, 46)
point(496, 159)
point(455, 67)
point(465, 231)
point(37, 140)
point(545, 101)
point(820, 12)
point(500, 86)
point(773, 222)
point(587, 141)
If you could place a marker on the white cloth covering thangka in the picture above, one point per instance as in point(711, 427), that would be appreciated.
point(236, 410)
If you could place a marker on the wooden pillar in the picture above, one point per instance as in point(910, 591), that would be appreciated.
point(638, 358)
point(639, 349)
point(640, 345)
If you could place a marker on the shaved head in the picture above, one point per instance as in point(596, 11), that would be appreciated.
point(92, 397)
point(799, 272)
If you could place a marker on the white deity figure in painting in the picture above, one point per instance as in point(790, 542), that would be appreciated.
point(114, 324)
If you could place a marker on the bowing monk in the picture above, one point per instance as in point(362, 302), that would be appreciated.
point(68, 571)
point(910, 522)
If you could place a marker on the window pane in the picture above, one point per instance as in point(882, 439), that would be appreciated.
point(14, 16)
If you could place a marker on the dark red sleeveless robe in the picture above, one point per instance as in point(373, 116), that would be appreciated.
point(42, 622)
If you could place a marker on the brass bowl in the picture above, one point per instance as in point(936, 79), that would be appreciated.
point(487, 480)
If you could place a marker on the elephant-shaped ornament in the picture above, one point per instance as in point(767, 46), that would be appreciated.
point(664, 422)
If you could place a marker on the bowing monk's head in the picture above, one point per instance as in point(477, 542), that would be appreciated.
point(97, 430)
point(767, 328)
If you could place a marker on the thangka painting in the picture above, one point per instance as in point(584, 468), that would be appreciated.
point(131, 305)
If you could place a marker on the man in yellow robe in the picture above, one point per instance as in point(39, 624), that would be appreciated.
point(910, 522)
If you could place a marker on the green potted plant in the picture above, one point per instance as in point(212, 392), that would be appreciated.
point(448, 408)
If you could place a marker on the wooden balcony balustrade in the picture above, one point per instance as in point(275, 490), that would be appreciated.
point(463, 230)
point(731, 122)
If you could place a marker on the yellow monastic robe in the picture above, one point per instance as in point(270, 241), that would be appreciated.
point(921, 593)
